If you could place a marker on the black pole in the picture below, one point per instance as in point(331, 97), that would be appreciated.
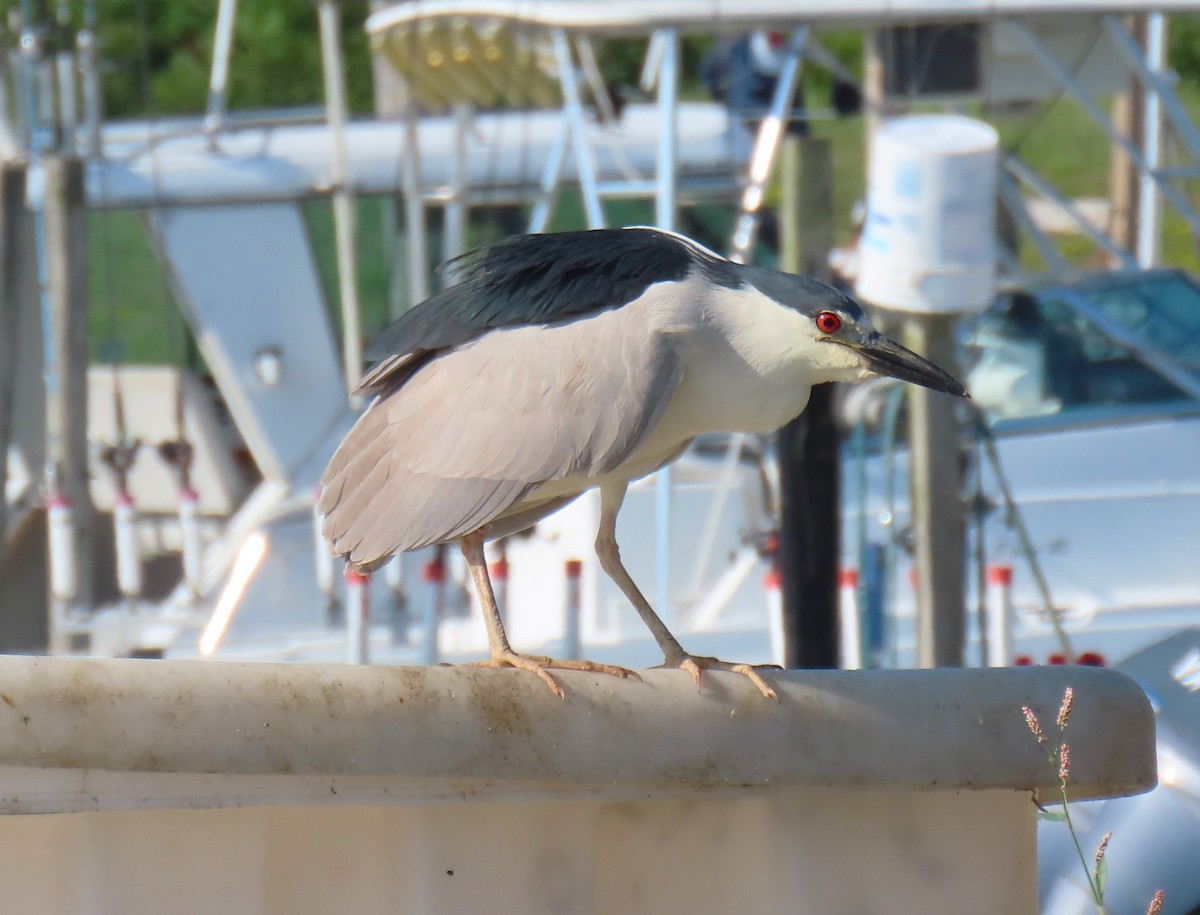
point(809, 475)
point(810, 533)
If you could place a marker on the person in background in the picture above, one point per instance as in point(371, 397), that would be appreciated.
point(742, 71)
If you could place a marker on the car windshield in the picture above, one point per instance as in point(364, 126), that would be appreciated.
point(1035, 355)
point(1165, 310)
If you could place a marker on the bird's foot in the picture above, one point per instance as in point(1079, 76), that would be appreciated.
point(697, 664)
point(539, 666)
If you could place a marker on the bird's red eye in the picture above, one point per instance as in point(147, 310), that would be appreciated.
point(828, 322)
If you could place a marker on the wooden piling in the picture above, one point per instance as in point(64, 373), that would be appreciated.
point(809, 462)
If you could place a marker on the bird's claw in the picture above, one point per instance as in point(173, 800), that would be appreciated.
point(697, 664)
point(538, 665)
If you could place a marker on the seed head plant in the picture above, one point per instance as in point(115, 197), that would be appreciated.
point(1058, 755)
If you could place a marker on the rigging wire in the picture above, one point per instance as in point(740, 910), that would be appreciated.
point(175, 334)
point(177, 453)
point(112, 349)
point(1016, 521)
point(122, 454)
point(1047, 108)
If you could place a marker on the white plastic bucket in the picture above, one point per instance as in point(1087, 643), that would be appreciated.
point(929, 244)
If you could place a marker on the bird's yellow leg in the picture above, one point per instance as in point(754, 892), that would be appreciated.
point(609, 554)
point(502, 653)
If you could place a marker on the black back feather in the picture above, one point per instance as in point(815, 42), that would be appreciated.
point(539, 279)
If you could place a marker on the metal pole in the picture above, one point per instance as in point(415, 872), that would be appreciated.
point(809, 539)
point(60, 229)
point(1123, 178)
point(454, 228)
point(434, 576)
point(664, 217)
point(65, 244)
point(343, 199)
point(850, 621)
point(90, 70)
point(572, 638)
point(414, 208)
point(726, 482)
point(64, 65)
point(766, 144)
point(358, 624)
point(539, 217)
point(127, 548)
point(1149, 239)
point(936, 477)
point(1157, 79)
point(23, 594)
point(999, 616)
point(595, 80)
point(324, 564)
point(665, 204)
point(12, 205)
point(191, 543)
point(218, 81)
point(585, 161)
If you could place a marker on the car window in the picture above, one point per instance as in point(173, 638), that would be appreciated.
point(1035, 355)
point(1165, 310)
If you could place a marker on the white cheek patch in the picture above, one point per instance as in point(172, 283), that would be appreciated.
point(838, 356)
point(759, 328)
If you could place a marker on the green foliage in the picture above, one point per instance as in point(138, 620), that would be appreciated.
point(156, 55)
point(621, 59)
point(1183, 53)
point(847, 46)
point(151, 58)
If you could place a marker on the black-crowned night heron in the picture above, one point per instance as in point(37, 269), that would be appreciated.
point(558, 363)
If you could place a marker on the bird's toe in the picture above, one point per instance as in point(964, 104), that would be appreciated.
point(697, 664)
point(539, 666)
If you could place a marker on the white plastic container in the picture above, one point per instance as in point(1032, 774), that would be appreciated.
point(128, 550)
point(358, 618)
point(193, 548)
point(63, 573)
point(929, 244)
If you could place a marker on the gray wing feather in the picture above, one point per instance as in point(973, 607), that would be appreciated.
point(477, 429)
point(530, 408)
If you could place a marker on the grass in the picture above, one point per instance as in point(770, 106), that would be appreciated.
point(134, 317)
point(133, 313)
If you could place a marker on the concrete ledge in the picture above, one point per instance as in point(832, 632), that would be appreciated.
point(102, 734)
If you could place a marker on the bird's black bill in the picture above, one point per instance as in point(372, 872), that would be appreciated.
point(886, 357)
